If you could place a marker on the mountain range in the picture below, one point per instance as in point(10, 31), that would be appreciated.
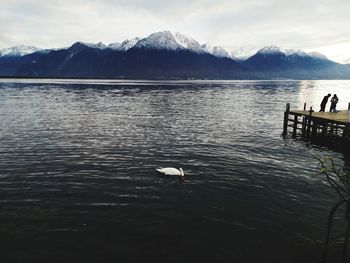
point(165, 55)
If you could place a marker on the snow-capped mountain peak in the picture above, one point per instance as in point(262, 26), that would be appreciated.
point(293, 52)
point(114, 45)
point(80, 44)
point(125, 45)
point(160, 40)
point(18, 51)
point(271, 50)
point(129, 43)
point(177, 41)
point(290, 52)
point(188, 42)
point(216, 51)
point(99, 45)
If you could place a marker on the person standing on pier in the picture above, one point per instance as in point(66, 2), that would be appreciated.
point(334, 102)
point(324, 102)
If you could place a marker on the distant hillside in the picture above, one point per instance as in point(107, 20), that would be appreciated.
point(165, 55)
point(275, 63)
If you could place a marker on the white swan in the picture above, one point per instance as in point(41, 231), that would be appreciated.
point(171, 171)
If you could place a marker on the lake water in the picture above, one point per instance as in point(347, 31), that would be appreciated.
point(78, 180)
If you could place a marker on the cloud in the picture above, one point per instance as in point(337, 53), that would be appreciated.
point(317, 25)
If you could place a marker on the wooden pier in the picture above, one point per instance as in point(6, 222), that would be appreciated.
point(311, 125)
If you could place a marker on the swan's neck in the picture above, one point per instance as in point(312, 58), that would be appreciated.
point(182, 172)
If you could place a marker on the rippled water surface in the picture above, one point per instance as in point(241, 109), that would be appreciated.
point(78, 180)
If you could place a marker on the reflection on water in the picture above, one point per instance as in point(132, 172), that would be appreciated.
point(77, 176)
point(312, 92)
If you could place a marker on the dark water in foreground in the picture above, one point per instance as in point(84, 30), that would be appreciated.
point(77, 178)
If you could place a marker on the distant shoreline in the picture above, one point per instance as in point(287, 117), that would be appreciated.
point(163, 79)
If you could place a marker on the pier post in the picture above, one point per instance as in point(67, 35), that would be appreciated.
point(308, 128)
point(304, 106)
point(295, 126)
point(303, 127)
point(346, 132)
point(308, 125)
point(285, 122)
point(314, 129)
point(314, 125)
point(336, 129)
point(324, 128)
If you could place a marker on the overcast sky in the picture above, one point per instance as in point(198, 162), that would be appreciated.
point(311, 25)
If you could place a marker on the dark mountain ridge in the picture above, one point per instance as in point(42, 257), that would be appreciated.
point(163, 56)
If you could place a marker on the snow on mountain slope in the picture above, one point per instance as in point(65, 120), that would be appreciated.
point(216, 51)
point(301, 53)
point(18, 51)
point(129, 43)
point(290, 52)
point(160, 40)
point(270, 50)
point(114, 45)
point(172, 41)
point(188, 42)
point(293, 52)
point(125, 45)
point(177, 41)
point(99, 45)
